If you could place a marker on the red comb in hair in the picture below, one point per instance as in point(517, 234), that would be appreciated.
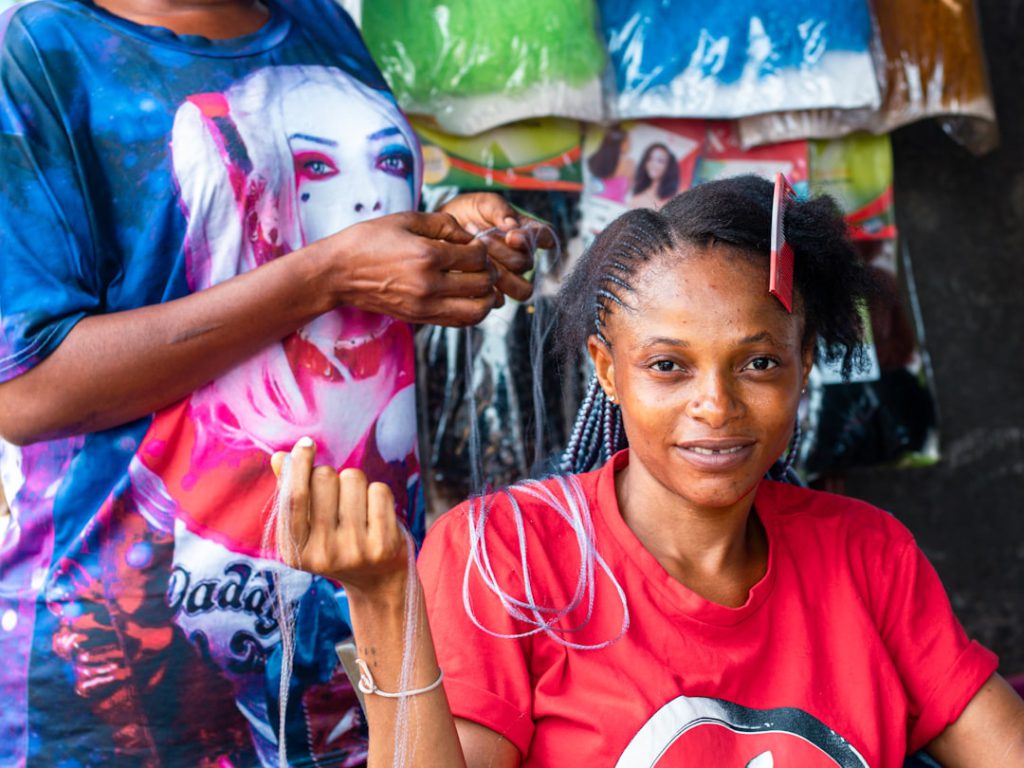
point(780, 282)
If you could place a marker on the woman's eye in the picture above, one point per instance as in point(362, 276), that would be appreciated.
point(763, 364)
point(665, 366)
point(396, 163)
point(314, 166)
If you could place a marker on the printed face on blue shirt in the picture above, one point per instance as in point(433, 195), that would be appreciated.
point(351, 162)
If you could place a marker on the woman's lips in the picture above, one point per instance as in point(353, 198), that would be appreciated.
point(360, 348)
point(717, 455)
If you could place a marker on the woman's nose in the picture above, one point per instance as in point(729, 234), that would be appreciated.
point(713, 401)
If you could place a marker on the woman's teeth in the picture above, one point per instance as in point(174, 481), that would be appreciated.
point(715, 452)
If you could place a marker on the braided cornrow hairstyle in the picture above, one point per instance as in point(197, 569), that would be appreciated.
point(829, 280)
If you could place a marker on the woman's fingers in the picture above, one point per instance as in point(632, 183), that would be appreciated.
point(324, 495)
point(337, 524)
point(294, 485)
point(277, 463)
point(352, 505)
point(381, 524)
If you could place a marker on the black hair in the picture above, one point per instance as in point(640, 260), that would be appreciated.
point(668, 184)
point(829, 279)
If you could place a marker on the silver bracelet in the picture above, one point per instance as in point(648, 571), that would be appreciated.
point(369, 686)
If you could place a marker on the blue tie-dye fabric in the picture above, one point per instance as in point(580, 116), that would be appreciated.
point(106, 660)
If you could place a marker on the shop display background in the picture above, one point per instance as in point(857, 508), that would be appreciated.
point(962, 218)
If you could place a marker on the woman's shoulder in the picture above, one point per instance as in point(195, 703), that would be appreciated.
point(22, 23)
point(804, 512)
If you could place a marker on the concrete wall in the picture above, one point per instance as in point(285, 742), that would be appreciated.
point(963, 220)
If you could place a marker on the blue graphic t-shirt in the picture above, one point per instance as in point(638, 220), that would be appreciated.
point(136, 618)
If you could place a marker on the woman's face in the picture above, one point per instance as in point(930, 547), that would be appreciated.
point(707, 369)
point(352, 163)
point(657, 163)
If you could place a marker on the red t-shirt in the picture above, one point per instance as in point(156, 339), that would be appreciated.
point(846, 652)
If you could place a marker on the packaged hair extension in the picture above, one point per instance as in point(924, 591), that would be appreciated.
point(885, 413)
point(698, 59)
point(471, 65)
point(930, 64)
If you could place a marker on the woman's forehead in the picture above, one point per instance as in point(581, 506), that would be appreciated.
point(708, 292)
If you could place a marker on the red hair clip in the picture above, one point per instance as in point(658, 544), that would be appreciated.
point(780, 281)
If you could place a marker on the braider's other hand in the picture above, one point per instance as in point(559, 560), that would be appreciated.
point(338, 525)
point(510, 238)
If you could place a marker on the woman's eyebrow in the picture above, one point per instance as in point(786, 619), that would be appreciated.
point(759, 337)
point(383, 133)
point(658, 341)
point(314, 139)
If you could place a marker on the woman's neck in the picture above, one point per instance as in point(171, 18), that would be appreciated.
point(718, 553)
point(213, 19)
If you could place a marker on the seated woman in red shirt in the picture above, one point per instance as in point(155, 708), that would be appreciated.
point(674, 606)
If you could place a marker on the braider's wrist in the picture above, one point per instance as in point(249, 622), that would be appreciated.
point(334, 263)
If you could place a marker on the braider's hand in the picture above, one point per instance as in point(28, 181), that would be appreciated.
point(416, 267)
point(510, 246)
point(339, 525)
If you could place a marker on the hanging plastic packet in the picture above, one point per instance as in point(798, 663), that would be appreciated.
point(697, 59)
point(472, 65)
point(930, 63)
point(886, 412)
point(530, 154)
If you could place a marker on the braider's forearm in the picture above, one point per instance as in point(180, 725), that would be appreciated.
point(427, 732)
point(112, 369)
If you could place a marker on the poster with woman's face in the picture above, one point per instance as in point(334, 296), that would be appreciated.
point(643, 164)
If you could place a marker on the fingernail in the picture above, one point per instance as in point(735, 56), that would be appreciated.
point(304, 442)
point(511, 221)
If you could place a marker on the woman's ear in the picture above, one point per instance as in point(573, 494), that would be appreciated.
point(807, 362)
point(604, 366)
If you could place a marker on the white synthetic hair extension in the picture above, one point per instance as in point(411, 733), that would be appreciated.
point(574, 510)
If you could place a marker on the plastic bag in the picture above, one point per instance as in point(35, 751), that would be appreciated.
point(531, 154)
point(931, 65)
point(472, 65)
point(886, 413)
point(700, 59)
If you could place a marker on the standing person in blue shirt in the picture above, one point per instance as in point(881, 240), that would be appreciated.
point(208, 252)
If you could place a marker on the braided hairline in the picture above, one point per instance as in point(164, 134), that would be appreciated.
point(634, 246)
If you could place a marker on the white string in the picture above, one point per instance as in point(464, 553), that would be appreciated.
point(404, 747)
point(574, 510)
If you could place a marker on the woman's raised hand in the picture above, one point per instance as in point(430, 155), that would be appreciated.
point(338, 525)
